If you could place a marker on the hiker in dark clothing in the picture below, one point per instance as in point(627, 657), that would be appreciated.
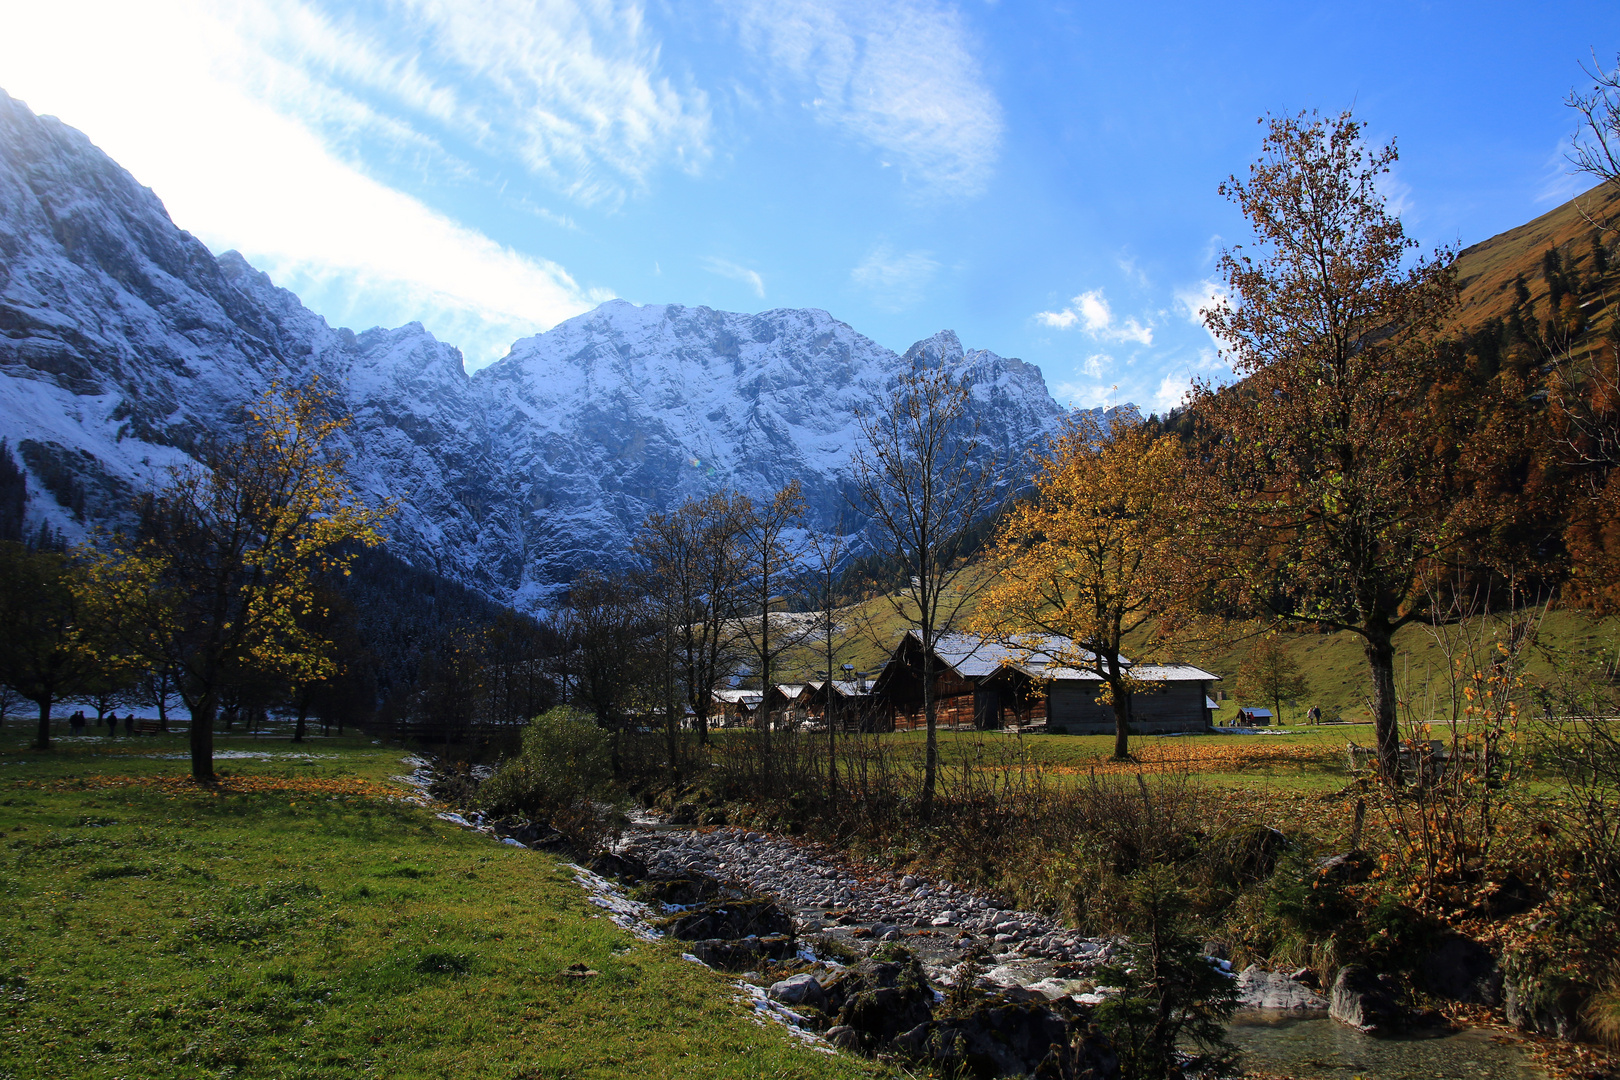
point(112, 724)
point(129, 724)
point(76, 723)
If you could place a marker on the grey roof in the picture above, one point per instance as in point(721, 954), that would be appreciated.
point(852, 688)
point(1045, 656)
point(1172, 673)
point(975, 657)
point(739, 697)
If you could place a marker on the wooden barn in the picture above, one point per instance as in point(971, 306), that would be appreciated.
point(737, 708)
point(849, 701)
point(785, 705)
point(989, 684)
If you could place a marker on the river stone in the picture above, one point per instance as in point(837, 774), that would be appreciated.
point(1364, 1000)
point(688, 888)
point(802, 989)
point(731, 919)
point(1261, 989)
point(1546, 1012)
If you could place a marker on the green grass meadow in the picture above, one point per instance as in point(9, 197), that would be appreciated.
point(304, 924)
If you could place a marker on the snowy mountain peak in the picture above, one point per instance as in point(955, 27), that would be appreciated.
point(941, 350)
point(123, 340)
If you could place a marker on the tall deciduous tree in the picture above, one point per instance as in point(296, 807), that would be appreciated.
point(696, 563)
point(222, 583)
point(1340, 471)
point(770, 560)
point(819, 585)
point(923, 476)
point(1094, 555)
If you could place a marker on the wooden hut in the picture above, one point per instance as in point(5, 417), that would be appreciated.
point(989, 684)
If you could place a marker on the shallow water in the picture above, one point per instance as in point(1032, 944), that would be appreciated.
point(1316, 1047)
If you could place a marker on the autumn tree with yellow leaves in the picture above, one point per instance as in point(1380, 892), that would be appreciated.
point(1093, 555)
point(220, 582)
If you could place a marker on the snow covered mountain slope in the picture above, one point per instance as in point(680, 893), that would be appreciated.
point(124, 342)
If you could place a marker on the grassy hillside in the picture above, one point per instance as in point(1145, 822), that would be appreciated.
point(1487, 271)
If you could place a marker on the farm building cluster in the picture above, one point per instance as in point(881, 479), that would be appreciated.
point(1043, 683)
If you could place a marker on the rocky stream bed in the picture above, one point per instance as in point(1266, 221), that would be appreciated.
point(851, 957)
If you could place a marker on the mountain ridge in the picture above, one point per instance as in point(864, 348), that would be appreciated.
point(124, 343)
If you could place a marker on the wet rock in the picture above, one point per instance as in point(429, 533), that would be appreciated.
point(1364, 1000)
point(1462, 970)
point(684, 889)
point(755, 917)
point(1260, 989)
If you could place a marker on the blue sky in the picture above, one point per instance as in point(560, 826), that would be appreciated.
point(1039, 177)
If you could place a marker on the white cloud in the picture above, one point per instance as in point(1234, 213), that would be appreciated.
point(1090, 311)
point(895, 280)
point(728, 269)
point(1095, 364)
point(900, 77)
point(1194, 300)
point(1058, 320)
point(1173, 389)
point(234, 140)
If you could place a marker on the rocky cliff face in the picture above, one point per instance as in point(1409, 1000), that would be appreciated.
point(124, 341)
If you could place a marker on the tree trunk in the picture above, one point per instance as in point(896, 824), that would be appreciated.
point(1386, 725)
point(202, 740)
point(303, 714)
point(1122, 719)
point(163, 712)
point(43, 740)
point(931, 748)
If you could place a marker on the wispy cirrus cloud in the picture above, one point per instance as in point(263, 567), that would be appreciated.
point(895, 280)
point(569, 90)
point(1090, 313)
point(736, 272)
point(261, 125)
point(899, 77)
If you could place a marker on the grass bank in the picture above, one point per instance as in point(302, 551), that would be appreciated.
point(301, 921)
